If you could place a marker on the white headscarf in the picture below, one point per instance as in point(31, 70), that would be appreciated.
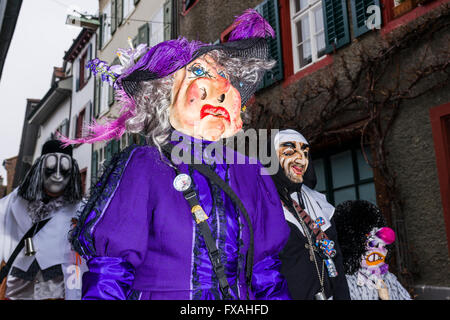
point(288, 135)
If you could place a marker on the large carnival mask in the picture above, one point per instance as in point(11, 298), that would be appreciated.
point(205, 104)
point(57, 168)
point(293, 157)
point(375, 255)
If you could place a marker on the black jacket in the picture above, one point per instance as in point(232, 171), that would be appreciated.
point(301, 274)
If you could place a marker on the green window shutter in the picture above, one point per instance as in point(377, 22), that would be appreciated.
point(130, 139)
point(142, 141)
point(100, 33)
point(168, 20)
point(108, 152)
point(110, 95)
point(111, 89)
point(97, 92)
point(77, 81)
point(135, 42)
point(65, 128)
point(360, 15)
point(119, 12)
point(116, 146)
point(89, 57)
point(336, 24)
point(94, 167)
point(143, 34)
point(113, 16)
point(269, 11)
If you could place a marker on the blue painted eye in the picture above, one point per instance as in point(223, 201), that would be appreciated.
point(198, 71)
point(222, 74)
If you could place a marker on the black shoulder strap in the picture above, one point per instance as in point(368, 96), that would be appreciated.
point(38, 225)
point(212, 176)
point(213, 252)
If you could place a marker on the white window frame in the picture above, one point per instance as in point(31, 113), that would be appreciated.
point(106, 36)
point(104, 94)
point(295, 17)
point(128, 8)
point(157, 27)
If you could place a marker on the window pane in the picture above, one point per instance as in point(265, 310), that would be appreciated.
point(320, 43)
point(300, 5)
point(302, 26)
point(188, 4)
point(344, 194)
point(304, 53)
point(365, 171)
point(342, 169)
point(157, 28)
point(320, 174)
point(367, 192)
point(318, 17)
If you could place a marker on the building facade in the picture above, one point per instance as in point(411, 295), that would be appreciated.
point(82, 99)
point(66, 108)
point(10, 167)
point(52, 112)
point(27, 144)
point(124, 22)
point(366, 82)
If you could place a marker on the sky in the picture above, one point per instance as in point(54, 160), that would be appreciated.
point(38, 44)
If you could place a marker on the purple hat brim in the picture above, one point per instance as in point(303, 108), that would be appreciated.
point(246, 48)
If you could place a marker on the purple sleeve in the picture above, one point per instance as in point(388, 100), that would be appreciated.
point(121, 234)
point(107, 279)
point(271, 233)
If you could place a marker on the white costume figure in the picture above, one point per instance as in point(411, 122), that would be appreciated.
point(363, 238)
point(46, 267)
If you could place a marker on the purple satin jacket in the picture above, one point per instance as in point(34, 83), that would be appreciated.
point(141, 242)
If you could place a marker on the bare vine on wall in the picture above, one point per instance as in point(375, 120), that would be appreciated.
point(373, 81)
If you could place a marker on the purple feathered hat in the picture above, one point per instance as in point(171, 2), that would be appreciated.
point(247, 40)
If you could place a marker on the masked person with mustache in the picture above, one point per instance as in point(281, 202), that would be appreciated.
point(178, 218)
point(35, 220)
point(311, 260)
point(364, 239)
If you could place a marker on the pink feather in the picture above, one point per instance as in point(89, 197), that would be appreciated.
point(386, 234)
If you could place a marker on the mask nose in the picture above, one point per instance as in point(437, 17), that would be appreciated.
point(219, 88)
point(57, 177)
point(301, 159)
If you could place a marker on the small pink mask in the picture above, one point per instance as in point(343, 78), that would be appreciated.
point(374, 259)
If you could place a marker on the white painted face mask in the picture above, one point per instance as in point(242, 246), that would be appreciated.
point(56, 170)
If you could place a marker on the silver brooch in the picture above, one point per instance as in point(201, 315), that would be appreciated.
point(182, 182)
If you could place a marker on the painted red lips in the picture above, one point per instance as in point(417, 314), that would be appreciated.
point(209, 110)
point(298, 170)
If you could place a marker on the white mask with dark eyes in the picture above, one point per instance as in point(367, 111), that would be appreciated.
point(57, 168)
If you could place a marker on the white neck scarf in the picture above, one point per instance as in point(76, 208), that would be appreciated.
point(316, 205)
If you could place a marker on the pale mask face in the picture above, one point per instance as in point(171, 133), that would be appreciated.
point(293, 157)
point(204, 103)
point(57, 168)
